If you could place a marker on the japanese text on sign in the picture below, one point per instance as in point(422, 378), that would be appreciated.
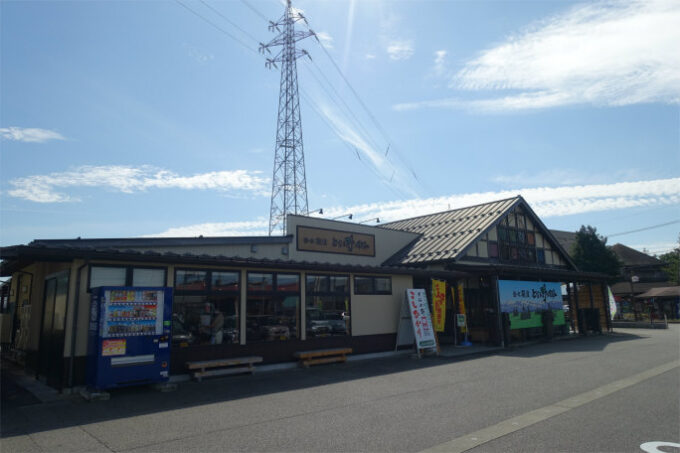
point(335, 241)
point(420, 317)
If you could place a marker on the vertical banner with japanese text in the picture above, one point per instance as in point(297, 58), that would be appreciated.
point(420, 318)
point(439, 304)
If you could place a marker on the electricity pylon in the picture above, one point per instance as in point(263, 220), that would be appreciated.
point(289, 184)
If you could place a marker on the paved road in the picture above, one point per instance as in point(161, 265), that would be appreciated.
point(606, 393)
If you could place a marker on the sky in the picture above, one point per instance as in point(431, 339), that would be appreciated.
point(158, 118)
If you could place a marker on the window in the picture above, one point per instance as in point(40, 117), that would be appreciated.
point(273, 306)
point(107, 276)
point(205, 310)
point(148, 277)
point(327, 310)
point(372, 285)
point(126, 276)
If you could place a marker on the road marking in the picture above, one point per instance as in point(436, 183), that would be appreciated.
point(519, 422)
point(653, 447)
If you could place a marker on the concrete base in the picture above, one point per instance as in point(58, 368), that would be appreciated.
point(640, 325)
point(94, 395)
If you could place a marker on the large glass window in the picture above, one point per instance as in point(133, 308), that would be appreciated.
point(273, 306)
point(327, 310)
point(206, 306)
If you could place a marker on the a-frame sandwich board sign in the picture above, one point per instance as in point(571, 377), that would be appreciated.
point(415, 323)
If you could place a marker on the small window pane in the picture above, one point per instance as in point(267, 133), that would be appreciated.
point(287, 282)
point(540, 256)
point(383, 285)
point(225, 281)
point(191, 280)
point(531, 239)
point(493, 250)
point(107, 276)
point(339, 284)
point(363, 285)
point(260, 282)
point(148, 277)
point(317, 284)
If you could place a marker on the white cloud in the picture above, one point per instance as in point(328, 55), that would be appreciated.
point(546, 202)
point(400, 50)
point(440, 63)
point(326, 39)
point(126, 179)
point(200, 55)
point(248, 228)
point(29, 134)
point(369, 56)
point(608, 53)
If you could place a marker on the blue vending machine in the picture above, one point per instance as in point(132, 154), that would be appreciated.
point(129, 336)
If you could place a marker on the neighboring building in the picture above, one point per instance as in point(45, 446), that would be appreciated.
point(326, 284)
point(639, 273)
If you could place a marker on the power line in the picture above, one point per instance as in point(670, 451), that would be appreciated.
point(253, 9)
point(390, 142)
point(645, 228)
point(218, 27)
point(231, 22)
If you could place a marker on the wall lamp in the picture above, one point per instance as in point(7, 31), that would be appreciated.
point(377, 220)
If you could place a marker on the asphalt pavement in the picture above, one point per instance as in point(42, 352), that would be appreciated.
point(388, 404)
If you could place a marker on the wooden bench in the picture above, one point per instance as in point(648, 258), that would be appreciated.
point(221, 367)
point(320, 356)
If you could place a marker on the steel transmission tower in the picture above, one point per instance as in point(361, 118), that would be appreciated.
point(289, 185)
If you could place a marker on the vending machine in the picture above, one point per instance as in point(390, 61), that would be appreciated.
point(129, 336)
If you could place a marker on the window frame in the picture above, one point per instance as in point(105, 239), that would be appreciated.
point(129, 270)
point(208, 277)
point(373, 291)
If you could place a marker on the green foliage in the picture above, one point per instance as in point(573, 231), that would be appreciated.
point(591, 254)
point(671, 262)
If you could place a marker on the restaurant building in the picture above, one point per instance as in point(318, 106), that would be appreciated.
point(326, 284)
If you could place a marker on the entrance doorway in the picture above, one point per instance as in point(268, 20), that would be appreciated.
point(51, 356)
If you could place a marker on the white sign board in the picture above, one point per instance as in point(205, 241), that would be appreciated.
point(420, 318)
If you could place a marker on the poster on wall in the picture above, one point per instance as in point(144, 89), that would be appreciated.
point(438, 304)
point(525, 301)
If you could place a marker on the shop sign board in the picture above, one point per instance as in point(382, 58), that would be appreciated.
point(420, 319)
point(525, 301)
point(460, 320)
point(335, 241)
point(439, 304)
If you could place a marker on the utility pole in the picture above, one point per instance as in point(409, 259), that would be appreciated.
point(289, 184)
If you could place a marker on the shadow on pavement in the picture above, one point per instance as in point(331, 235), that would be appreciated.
point(21, 415)
point(589, 343)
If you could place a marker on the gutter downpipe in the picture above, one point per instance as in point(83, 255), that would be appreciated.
point(74, 327)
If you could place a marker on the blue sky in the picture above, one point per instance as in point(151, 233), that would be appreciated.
point(125, 119)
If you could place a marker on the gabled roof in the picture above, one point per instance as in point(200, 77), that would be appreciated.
point(447, 235)
point(632, 257)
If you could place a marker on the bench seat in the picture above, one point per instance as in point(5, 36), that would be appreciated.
point(320, 356)
point(220, 367)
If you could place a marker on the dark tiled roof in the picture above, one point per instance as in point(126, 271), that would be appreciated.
point(161, 242)
point(16, 256)
point(446, 235)
point(631, 257)
point(565, 238)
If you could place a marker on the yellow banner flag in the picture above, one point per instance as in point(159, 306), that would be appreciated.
point(439, 305)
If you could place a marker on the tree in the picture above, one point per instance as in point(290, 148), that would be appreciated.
point(671, 261)
point(591, 254)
